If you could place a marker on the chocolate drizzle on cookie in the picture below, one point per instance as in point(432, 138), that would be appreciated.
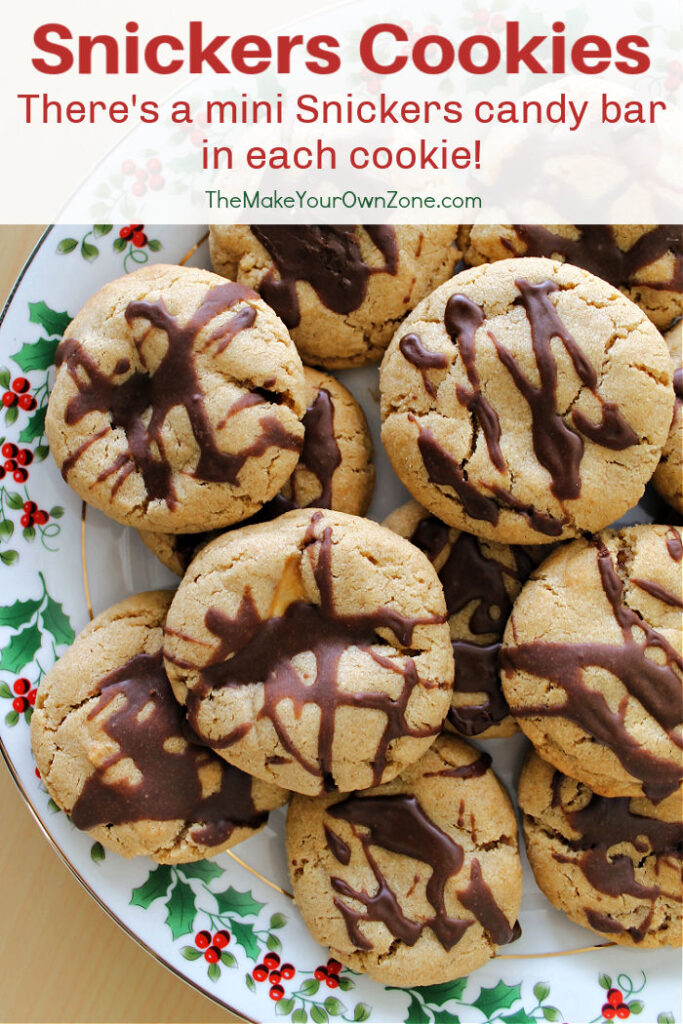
point(655, 684)
point(678, 385)
point(398, 824)
point(137, 710)
point(422, 359)
point(473, 770)
point(255, 650)
point(140, 404)
point(328, 257)
point(320, 453)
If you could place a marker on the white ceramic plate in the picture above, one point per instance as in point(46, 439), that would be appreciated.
point(54, 575)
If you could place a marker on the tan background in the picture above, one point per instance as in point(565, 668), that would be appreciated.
point(62, 958)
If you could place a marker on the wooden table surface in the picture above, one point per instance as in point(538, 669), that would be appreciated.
point(62, 957)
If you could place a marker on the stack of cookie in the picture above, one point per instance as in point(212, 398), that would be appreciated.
point(310, 651)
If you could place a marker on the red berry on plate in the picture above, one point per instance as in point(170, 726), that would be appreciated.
point(260, 972)
point(202, 939)
point(20, 384)
point(212, 955)
point(608, 1011)
point(21, 686)
point(614, 997)
point(153, 165)
point(9, 450)
point(623, 1011)
point(157, 182)
point(26, 520)
point(221, 938)
point(287, 971)
point(27, 402)
point(25, 457)
point(2, 472)
point(320, 973)
point(31, 698)
point(128, 167)
point(275, 977)
point(9, 399)
point(37, 773)
point(125, 233)
point(333, 966)
point(271, 960)
point(19, 704)
point(41, 517)
point(138, 188)
point(20, 476)
point(30, 507)
point(139, 239)
point(141, 175)
point(276, 992)
point(10, 465)
point(332, 981)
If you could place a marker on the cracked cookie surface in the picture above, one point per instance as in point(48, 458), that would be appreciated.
point(312, 652)
point(418, 881)
point(110, 745)
point(480, 579)
point(668, 478)
point(341, 290)
point(612, 865)
point(592, 661)
point(177, 401)
point(334, 470)
point(526, 401)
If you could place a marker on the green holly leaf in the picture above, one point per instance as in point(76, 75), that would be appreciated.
point(190, 953)
point(97, 852)
point(551, 1013)
point(14, 500)
point(56, 621)
point(284, 1006)
point(35, 427)
point(245, 937)
point(9, 557)
point(310, 986)
point(5, 691)
point(299, 1016)
point(41, 452)
point(38, 355)
point(56, 512)
point(154, 244)
point(214, 972)
point(89, 252)
point(206, 870)
point(319, 1014)
point(119, 244)
point(273, 944)
point(519, 1017)
point(21, 649)
point(228, 959)
point(67, 245)
point(5, 378)
point(11, 718)
point(52, 321)
point(251, 984)
point(444, 1017)
point(416, 1012)
point(53, 807)
point(99, 230)
point(278, 921)
point(665, 1018)
point(181, 910)
point(334, 1005)
point(156, 886)
point(11, 415)
point(541, 991)
point(635, 1006)
point(6, 529)
point(19, 613)
point(28, 714)
point(605, 981)
point(345, 983)
point(440, 994)
point(231, 901)
point(29, 533)
point(499, 998)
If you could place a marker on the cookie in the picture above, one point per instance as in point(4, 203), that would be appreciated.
point(592, 661)
point(416, 882)
point(177, 401)
point(313, 651)
point(334, 470)
point(111, 747)
point(668, 478)
point(612, 865)
point(526, 401)
point(480, 579)
point(340, 289)
point(645, 261)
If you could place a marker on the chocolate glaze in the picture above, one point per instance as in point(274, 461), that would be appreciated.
point(398, 824)
point(674, 544)
point(473, 770)
point(175, 382)
point(414, 351)
point(328, 257)
point(539, 521)
point(170, 787)
point(480, 901)
point(442, 469)
point(658, 591)
point(657, 687)
point(224, 334)
point(320, 453)
point(597, 251)
point(340, 850)
point(263, 651)
point(431, 536)
point(678, 384)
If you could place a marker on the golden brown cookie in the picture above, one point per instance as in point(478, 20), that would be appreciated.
point(480, 579)
point(334, 470)
point(177, 401)
point(592, 661)
point(418, 881)
point(668, 478)
point(341, 290)
point(526, 401)
point(613, 865)
point(645, 261)
point(312, 651)
point(110, 744)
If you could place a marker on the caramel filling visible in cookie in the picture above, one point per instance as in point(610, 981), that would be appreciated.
point(399, 825)
point(147, 727)
point(596, 250)
point(328, 257)
point(469, 575)
point(140, 403)
point(254, 650)
point(655, 684)
point(605, 823)
point(558, 448)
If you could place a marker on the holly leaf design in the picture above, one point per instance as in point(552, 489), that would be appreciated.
point(19, 613)
point(99, 230)
point(246, 938)
point(89, 251)
point(14, 500)
point(5, 691)
point(214, 972)
point(21, 649)
point(310, 986)
point(190, 953)
point(416, 1012)
point(345, 983)
point(56, 621)
point(299, 1016)
point(156, 886)
point(551, 1013)
point(319, 1014)
point(154, 245)
point(520, 1017)
point(67, 245)
point(228, 959)
point(35, 427)
point(636, 1006)
point(231, 901)
point(541, 991)
point(362, 1011)
point(52, 321)
point(273, 944)
point(119, 244)
point(205, 870)
point(334, 1005)
point(499, 998)
point(38, 355)
point(5, 377)
point(6, 529)
point(605, 981)
point(97, 852)
point(278, 921)
point(284, 1006)
point(444, 1017)
point(665, 1018)
point(440, 994)
point(181, 910)
point(9, 557)
point(11, 718)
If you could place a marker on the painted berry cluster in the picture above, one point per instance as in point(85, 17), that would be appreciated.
point(131, 240)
